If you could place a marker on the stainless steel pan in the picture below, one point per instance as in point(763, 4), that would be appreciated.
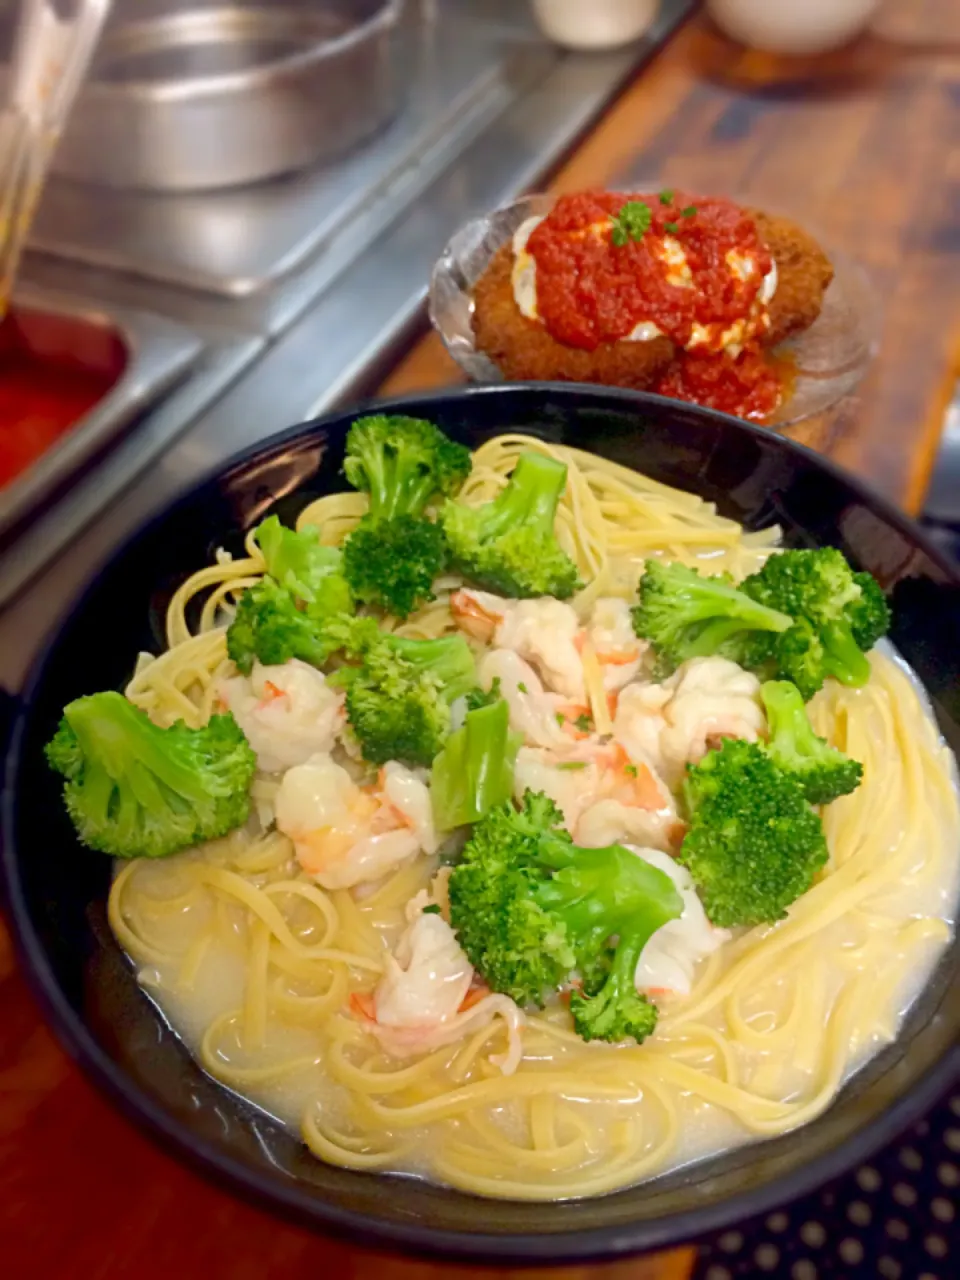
point(191, 95)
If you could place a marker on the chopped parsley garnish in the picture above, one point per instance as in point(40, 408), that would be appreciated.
point(561, 719)
point(572, 766)
point(477, 698)
point(522, 687)
point(666, 196)
point(671, 227)
point(631, 223)
point(689, 211)
point(583, 723)
point(432, 910)
point(630, 770)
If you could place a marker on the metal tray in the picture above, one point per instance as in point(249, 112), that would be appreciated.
point(189, 95)
point(157, 351)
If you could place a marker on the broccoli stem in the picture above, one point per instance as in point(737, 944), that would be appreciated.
point(712, 637)
point(401, 488)
point(843, 657)
point(530, 497)
point(602, 892)
point(375, 468)
point(787, 720)
point(685, 615)
point(474, 771)
point(701, 601)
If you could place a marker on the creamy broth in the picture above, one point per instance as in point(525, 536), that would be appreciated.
point(269, 979)
point(198, 988)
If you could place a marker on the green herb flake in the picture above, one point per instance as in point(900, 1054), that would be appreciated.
point(666, 195)
point(689, 211)
point(522, 687)
point(432, 910)
point(671, 227)
point(561, 719)
point(630, 770)
point(583, 723)
point(631, 223)
point(572, 766)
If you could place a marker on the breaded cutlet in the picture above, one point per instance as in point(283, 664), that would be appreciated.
point(524, 350)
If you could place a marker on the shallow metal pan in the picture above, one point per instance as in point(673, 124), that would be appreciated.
point(148, 354)
point(193, 96)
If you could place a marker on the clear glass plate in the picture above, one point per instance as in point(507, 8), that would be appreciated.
point(830, 357)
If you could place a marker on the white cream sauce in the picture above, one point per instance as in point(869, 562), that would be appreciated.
point(705, 1131)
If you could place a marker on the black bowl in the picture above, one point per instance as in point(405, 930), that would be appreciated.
point(57, 891)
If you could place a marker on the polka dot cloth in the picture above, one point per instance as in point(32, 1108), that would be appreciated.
point(896, 1218)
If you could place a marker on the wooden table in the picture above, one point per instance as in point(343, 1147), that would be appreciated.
point(866, 147)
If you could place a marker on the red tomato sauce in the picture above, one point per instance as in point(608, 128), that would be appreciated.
point(749, 386)
point(595, 284)
point(51, 375)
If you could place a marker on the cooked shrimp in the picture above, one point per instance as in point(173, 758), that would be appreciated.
point(478, 613)
point(671, 724)
point(613, 822)
point(670, 958)
point(426, 979)
point(572, 785)
point(544, 632)
point(533, 711)
point(712, 699)
point(619, 652)
point(547, 633)
point(287, 713)
point(344, 835)
point(640, 720)
point(436, 895)
point(426, 997)
point(594, 772)
point(406, 792)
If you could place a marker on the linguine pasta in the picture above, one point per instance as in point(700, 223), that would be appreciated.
point(255, 965)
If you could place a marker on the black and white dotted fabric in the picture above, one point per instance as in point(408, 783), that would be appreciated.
point(895, 1218)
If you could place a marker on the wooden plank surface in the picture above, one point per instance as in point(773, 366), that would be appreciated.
point(866, 146)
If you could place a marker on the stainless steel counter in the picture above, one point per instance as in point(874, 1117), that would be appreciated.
point(302, 341)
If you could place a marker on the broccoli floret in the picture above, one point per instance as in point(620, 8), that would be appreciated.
point(282, 616)
point(135, 790)
point(394, 563)
point(399, 695)
point(685, 615)
point(270, 626)
point(298, 561)
point(618, 1011)
point(402, 463)
point(823, 772)
point(869, 615)
point(393, 556)
point(754, 844)
point(533, 911)
point(509, 545)
point(474, 771)
point(838, 615)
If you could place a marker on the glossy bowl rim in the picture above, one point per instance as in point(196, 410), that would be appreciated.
point(306, 1208)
